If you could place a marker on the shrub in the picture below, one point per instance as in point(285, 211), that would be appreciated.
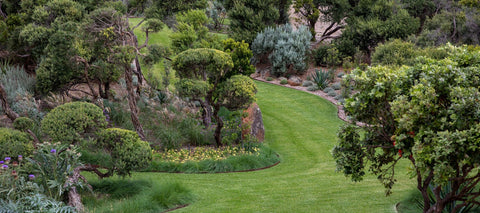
point(241, 56)
point(312, 88)
point(340, 74)
point(396, 52)
point(70, 122)
point(286, 49)
point(269, 78)
point(14, 143)
point(338, 97)
point(321, 78)
point(328, 89)
point(23, 123)
point(307, 83)
point(284, 81)
point(327, 55)
point(337, 86)
point(128, 152)
point(332, 93)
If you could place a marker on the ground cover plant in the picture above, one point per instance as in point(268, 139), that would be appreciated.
point(211, 160)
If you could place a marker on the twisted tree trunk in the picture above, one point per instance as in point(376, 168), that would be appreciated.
point(132, 103)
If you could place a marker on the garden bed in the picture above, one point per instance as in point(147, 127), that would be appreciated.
point(214, 160)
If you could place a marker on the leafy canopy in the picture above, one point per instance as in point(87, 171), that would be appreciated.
point(428, 114)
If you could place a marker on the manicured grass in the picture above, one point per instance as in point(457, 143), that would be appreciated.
point(302, 128)
point(161, 37)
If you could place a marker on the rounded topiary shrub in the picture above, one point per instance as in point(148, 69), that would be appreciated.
point(128, 152)
point(70, 122)
point(14, 143)
point(23, 123)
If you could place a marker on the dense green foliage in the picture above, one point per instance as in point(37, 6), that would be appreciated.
point(23, 123)
point(249, 17)
point(128, 152)
point(395, 52)
point(286, 49)
point(73, 122)
point(426, 114)
point(191, 32)
point(206, 71)
point(241, 55)
point(236, 93)
point(15, 143)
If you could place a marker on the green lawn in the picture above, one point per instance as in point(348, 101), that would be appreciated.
point(302, 128)
point(161, 37)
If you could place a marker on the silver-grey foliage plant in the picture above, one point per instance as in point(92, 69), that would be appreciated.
point(285, 48)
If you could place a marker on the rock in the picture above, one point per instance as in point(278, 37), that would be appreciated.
point(255, 121)
point(294, 80)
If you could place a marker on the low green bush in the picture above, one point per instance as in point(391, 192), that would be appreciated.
point(269, 79)
point(337, 86)
point(23, 123)
point(327, 55)
point(71, 122)
point(128, 151)
point(284, 81)
point(396, 52)
point(307, 83)
point(328, 89)
point(14, 143)
point(312, 88)
point(332, 93)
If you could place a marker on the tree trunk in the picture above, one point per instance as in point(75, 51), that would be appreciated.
point(74, 198)
point(206, 113)
point(132, 102)
point(218, 129)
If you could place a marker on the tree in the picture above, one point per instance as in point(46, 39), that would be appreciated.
point(191, 32)
point(421, 9)
point(249, 17)
point(202, 72)
point(426, 114)
point(455, 22)
point(332, 12)
point(376, 21)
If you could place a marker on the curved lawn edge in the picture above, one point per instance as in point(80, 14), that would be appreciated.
point(176, 208)
point(340, 112)
point(247, 170)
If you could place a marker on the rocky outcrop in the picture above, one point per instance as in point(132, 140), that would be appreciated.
point(255, 122)
point(294, 81)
